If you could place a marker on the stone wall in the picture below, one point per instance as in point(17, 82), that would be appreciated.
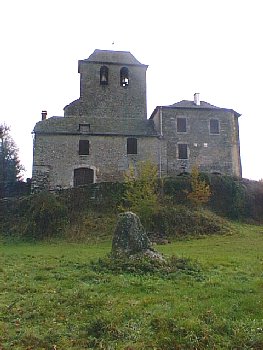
point(56, 157)
point(217, 153)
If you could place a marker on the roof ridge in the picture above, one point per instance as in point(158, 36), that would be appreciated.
point(112, 56)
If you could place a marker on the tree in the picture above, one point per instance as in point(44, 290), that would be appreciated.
point(200, 190)
point(141, 195)
point(10, 167)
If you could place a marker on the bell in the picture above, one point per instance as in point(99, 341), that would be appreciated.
point(103, 78)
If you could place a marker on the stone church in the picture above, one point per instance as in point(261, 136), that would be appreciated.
point(106, 130)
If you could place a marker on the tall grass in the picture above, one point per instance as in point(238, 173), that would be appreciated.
point(51, 298)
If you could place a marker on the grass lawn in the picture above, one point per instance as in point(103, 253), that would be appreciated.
point(50, 298)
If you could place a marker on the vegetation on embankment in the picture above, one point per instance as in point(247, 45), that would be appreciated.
point(85, 213)
point(45, 216)
point(52, 297)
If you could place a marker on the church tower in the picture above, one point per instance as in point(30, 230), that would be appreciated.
point(112, 85)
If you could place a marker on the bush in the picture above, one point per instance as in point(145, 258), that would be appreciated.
point(91, 227)
point(45, 216)
point(228, 196)
point(176, 188)
point(101, 197)
point(254, 200)
point(200, 190)
point(231, 197)
point(141, 192)
point(181, 221)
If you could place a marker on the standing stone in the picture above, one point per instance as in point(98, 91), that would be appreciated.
point(130, 238)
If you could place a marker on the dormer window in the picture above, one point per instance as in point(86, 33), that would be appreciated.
point(104, 75)
point(124, 76)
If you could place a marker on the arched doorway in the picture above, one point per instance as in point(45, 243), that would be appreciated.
point(83, 176)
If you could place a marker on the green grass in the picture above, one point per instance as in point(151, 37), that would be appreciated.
point(50, 298)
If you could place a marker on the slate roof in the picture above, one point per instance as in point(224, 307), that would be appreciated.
point(186, 104)
point(191, 104)
point(98, 126)
point(109, 56)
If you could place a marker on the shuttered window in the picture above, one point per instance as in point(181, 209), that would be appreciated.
point(83, 147)
point(182, 151)
point(131, 145)
point(181, 124)
point(214, 126)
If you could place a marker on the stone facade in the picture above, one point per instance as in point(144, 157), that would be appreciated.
point(213, 148)
point(107, 129)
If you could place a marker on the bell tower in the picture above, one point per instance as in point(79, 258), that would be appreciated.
point(112, 85)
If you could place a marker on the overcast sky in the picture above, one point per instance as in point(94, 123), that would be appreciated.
point(213, 47)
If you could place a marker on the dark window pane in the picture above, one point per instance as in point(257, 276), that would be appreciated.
point(182, 151)
point(214, 126)
point(131, 145)
point(181, 124)
point(83, 147)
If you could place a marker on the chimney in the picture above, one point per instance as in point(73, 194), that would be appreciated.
point(197, 99)
point(44, 115)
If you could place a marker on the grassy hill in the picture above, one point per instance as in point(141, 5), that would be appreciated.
point(53, 298)
point(55, 292)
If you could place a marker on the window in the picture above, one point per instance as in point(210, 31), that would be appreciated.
point(131, 145)
point(124, 76)
point(182, 151)
point(104, 75)
point(84, 128)
point(83, 147)
point(214, 126)
point(181, 124)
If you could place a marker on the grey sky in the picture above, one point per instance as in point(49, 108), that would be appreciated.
point(211, 47)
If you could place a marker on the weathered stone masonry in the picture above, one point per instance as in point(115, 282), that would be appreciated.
point(107, 129)
point(212, 152)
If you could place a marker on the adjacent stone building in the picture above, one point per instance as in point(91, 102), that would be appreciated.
point(106, 130)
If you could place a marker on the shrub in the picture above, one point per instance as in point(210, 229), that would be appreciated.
point(176, 188)
point(181, 221)
point(228, 196)
point(91, 227)
point(140, 195)
point(254, 200)
point(200, 190)
point(103, 196)
point(46, 216)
